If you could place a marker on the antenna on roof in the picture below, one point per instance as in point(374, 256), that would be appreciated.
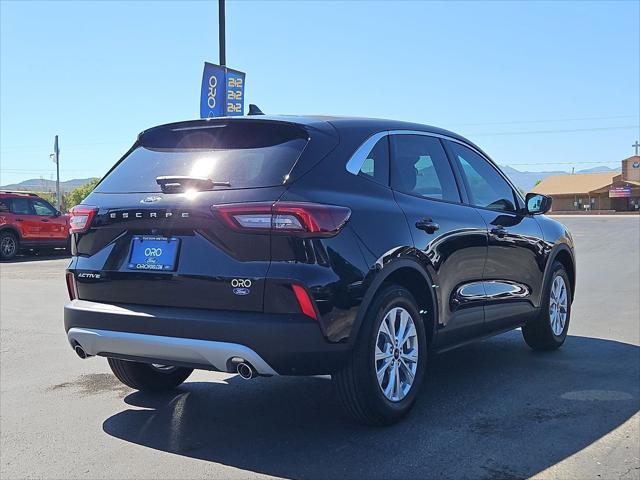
point(254, 110)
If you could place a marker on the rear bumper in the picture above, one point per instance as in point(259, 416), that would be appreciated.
point(285, 344)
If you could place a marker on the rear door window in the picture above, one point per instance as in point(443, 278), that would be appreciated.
point(21, 206)
point(245, 154)
point(420, 167)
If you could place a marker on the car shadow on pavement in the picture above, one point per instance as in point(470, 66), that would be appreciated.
point(493, 409)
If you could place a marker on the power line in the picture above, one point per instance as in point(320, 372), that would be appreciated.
point(609, 162)
point(568, 130)
point(72, 145)
point(555, 120)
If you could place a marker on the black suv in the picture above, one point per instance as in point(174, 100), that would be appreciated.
point(310, 245)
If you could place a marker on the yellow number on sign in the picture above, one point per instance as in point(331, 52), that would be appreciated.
point(235, 82)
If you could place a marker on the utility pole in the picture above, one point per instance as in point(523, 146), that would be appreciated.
point(221, 33)
point(56, 159)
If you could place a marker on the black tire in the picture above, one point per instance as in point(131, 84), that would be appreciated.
point(145, 377)
point(9, 245)
point(357, 383)
point(538, 333)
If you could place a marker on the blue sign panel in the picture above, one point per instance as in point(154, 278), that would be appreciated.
point(235, 92)
point(222, 92)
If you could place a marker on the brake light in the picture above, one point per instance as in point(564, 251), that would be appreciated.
point(71, 286)
point(81, 218)
point(292, 218)
point(304, 300)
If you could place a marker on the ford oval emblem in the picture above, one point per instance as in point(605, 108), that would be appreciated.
point(241, 291)
point(151, 199)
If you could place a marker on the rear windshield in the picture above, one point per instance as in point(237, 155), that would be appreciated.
point(245, 154)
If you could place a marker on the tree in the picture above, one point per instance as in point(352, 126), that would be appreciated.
point(77, 195)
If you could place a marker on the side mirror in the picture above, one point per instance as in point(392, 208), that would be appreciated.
point(57, 214)
point(537, 204)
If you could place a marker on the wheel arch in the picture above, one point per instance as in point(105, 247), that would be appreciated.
point(409, 274)
point(563, 254)
point(11, 229)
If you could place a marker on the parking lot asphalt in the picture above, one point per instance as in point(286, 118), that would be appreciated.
point(493, 409)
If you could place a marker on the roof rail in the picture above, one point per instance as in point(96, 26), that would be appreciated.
point(20, 192)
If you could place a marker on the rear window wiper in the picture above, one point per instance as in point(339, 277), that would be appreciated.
point(181, 183)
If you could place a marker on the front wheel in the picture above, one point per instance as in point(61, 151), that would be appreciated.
point(148, 377)
point(549, 330)
point(383, 374)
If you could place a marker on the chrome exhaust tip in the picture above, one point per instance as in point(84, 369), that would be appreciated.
point(80, 352)
point(246, 371)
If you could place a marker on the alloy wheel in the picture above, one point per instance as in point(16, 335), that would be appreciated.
point(396, 354)
point(8, 246)
point(558, 305)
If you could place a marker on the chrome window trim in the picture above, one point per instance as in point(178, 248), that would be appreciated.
point(360, 155)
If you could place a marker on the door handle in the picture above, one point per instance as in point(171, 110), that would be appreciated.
point(45, 219)
point(18, 220)
point(427, 224)
point(499, 231)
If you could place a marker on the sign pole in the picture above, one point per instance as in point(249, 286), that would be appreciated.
point(221, 33)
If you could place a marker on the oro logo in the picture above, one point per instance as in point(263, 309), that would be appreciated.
point(213, 90)
point(241, 282)
point(152, 252)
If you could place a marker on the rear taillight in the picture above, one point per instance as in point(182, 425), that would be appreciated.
point(291, 218)
point(304, 301)
point(71, 286)
point(81, 218)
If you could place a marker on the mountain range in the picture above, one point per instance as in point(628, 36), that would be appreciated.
point(523, 180)
point(43, 185)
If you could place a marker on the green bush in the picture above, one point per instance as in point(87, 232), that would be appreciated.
point(77, 195)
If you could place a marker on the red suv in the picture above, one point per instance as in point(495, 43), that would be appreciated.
point(28, 221)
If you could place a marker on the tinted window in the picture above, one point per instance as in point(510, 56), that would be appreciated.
point(43, 208)
point(486, 186)
point(246, 154)
point(21, 206)
point(5, 205)
point(376, 165)
point(420, 167)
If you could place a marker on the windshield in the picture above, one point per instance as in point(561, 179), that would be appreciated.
point(244, 155)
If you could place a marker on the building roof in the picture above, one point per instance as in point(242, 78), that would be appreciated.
point(579, 183)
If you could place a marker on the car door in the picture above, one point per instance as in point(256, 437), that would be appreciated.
point(52, 224)
point(26, 221)
point(451, 237)
point(515, 258)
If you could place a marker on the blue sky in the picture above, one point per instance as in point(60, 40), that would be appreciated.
point(539, 85)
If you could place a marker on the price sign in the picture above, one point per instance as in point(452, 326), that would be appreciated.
point(222, 92)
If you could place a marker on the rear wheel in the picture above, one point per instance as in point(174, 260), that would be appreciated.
point(148, 377)
point(9, 245)
point(549, 330)
point(383, 374)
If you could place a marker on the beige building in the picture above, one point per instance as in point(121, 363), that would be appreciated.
point(613, 191)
